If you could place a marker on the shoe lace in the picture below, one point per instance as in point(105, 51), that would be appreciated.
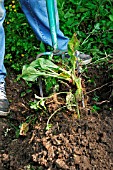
point(2, 91)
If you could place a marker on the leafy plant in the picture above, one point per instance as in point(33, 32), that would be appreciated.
point(42, 67)
point(93, 23)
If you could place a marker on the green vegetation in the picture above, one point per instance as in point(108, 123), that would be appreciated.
point(92, 21)
point(42, 67)
point(21, 43)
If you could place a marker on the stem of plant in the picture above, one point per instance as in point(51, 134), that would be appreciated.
point(54, 114)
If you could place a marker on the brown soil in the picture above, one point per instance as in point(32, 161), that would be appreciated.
point(71, 143)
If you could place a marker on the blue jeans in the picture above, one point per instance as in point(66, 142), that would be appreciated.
point(36, 14)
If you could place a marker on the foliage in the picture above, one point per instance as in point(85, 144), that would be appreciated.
point(91, 20)
point(42, 67)
point(21, 43)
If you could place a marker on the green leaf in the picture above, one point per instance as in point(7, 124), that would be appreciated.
point(42, 47)
point(96, 108)
point(50, 82)
point(97, 26)
point(43, 64)
point(111, 17)
point(29, 73)
point(73, 45)
point(68, 15)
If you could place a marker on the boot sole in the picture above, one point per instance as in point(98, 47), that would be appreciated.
point(85, 62)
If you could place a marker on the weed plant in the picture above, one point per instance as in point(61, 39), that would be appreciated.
point(92, 21)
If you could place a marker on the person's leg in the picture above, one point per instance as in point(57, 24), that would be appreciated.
point(4, 104)
point(2, 42)
point(36, 14)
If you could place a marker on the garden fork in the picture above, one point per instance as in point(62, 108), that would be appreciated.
point(52, 24)
point(53, 31)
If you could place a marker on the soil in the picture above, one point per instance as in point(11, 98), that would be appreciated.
point(71, 143)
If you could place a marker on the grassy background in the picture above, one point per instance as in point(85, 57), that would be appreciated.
point(91, 20)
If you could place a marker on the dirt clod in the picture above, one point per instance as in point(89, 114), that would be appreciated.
point(71, 143)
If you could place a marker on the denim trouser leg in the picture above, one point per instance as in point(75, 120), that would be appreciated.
point(36, 14)
point(2, 42)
